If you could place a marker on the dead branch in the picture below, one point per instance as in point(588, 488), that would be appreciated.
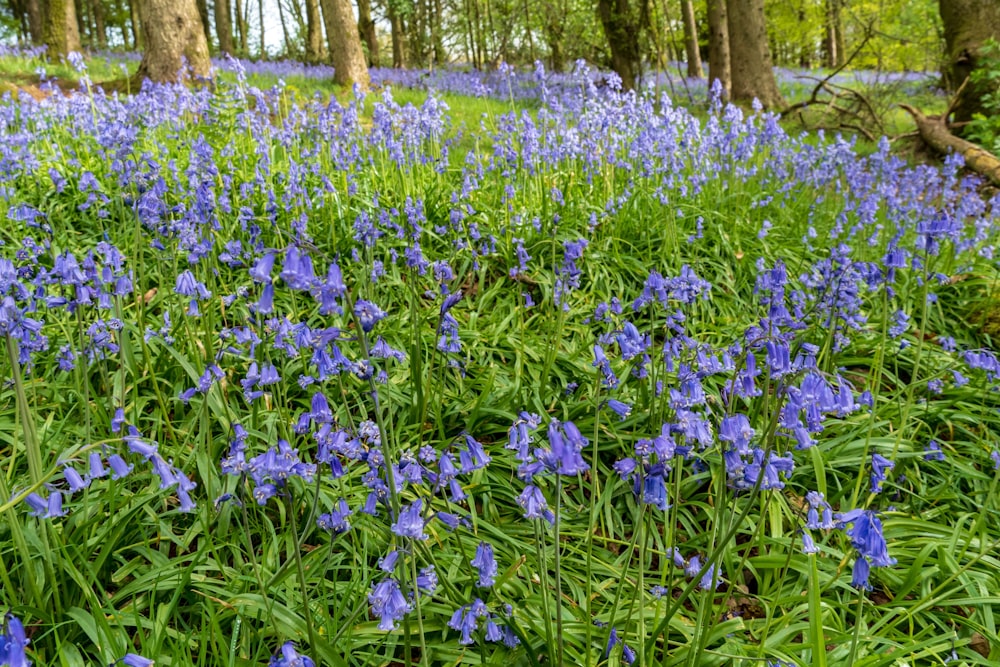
point(935, 133)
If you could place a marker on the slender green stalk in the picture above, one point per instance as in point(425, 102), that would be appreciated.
point(816, 636)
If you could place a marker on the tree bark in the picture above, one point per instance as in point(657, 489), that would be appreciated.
point(260, 18)
point(133, 11)
point(833, 46)
point(967, 25)
point(437, 34)
point(101, 30)
point(750, 57)
point(718, 47)
point(202, 14)
point(398, 37)
point(173, 35)
point(314, 32)
point(224, 26)
point(60, 32)
point(694, 70)
point(935, 134)
point(366, 26)
point(345, 45)
point(34, 11)
point(241, 27)
point(621, 31)
point(284, 31)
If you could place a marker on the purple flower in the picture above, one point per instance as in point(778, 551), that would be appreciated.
point(261, 271)
point(13, 642)
point(388, 603)
point(533, 503)
point(619, 408)
point(368, 314)
point(135, 660)
point(73, 478)
point(287, 656)
point(933, 452)
point(411, 522)
point(485, 564)
point(880, 467)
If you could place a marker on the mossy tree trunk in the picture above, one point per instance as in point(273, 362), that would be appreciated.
point(750, 57)
point(173, 37)
point(967, 25)
point(60, 32)
point(621, 31)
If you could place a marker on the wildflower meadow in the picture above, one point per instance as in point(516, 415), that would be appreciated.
point(587, 380)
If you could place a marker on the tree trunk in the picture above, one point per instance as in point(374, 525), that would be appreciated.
point(34, 11)
point(60, 32)
point(718, 47)
point(173, 34)
point(967, 25)
point(935, 134)
point(366, 26)
point(224, 26)
point(345, 45)
point(833, 49)
point(750, 58)
point(241, 27)
point(260, 18)
point(202, 15)
point(83, 23)
point(101, 30)
point(284, 31)
point(691, 41)
point(621, 30)
point(398, 37)
point(133, 11)
point(440, 55)
point(314, 32)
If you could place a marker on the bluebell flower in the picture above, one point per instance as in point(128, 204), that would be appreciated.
point(336, 521)
point(933, 452)
point(866, 535)
point(534, 505)
point(860, 573)
point(601, 362)
point(485, 564)
point(13, 643)
point(388, 603)
point(880, 467)
point(411, 521)
point(288, 656)
point(96, 468)
point(619, 408)
point(74, 480)
point(427, 580)
point(368, 314)
point(808, 544)
point(261, 271)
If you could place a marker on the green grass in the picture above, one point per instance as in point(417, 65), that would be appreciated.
point(227, 584)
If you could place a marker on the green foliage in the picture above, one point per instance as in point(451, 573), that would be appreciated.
point(984, 128)
point(727, 197)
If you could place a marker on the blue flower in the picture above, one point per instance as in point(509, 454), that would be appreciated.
point(388, 603)
point(368, 314)
point(619, 408)
point(411, 522)
point(289, 657)
point(485, 564)
point(13, 642)
point(534, 505)
point(880, 467)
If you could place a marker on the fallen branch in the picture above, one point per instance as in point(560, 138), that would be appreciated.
point(935, 134)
